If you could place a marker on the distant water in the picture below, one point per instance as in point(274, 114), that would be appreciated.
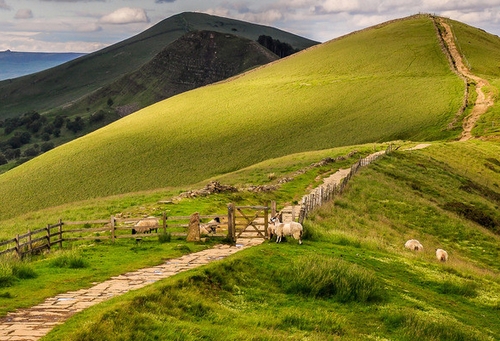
point(17, 64)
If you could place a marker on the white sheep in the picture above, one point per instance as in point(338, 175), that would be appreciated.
point(413, 245)
point(286, 229)
point(146, 225)
point(441, 255)
point(210, 227)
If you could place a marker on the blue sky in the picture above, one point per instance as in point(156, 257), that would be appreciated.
point(89, 25)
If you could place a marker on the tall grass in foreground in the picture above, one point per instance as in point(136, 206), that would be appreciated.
point(325, 277)
point(415, 325)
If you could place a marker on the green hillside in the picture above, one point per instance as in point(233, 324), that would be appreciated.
point(352, 279)
point(344, 92)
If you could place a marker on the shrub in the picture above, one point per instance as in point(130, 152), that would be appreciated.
point(164, 237)
point(23, 271)
point(324, 277)
point(70, 260)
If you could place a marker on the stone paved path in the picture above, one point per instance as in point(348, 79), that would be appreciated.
point(33, 323)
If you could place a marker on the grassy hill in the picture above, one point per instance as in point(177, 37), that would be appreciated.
point(344, 92)
point(292, 292)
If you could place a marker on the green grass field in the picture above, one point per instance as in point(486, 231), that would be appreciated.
point(352, 279)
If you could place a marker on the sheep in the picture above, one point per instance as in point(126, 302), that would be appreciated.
point(210, 227)
point(286, 229)
point(414, 245)
point(146, 225)
point(441, 255)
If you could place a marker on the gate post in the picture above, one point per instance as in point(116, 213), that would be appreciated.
point(231, 231)
point(194, 228)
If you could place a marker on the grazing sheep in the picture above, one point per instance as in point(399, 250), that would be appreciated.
point(146, 225)
point(414, 245)
point(441, 255)
point(210, 227)
point(286, 229)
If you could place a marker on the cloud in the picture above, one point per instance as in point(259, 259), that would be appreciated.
point(24, 13)
point(73, 0)
point(3, 5)
point(125, 15)
point(162, 1)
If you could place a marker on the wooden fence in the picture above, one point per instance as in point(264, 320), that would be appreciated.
point(35, 241)
point(325, 193)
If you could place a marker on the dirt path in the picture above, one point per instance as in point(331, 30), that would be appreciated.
point(35, 322)
point(483, 102)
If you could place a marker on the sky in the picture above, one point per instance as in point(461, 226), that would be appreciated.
point(90, 25)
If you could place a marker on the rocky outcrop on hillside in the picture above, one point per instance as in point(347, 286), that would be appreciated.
point(196, 59)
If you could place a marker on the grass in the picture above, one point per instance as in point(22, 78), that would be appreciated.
point(79, 265)
point(334, 91)
point(351, 279)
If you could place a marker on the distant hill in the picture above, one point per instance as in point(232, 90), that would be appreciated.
point(48, 90)
point(17, 64)
point(196, 59)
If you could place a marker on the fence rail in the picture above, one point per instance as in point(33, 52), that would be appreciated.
point(114, 228)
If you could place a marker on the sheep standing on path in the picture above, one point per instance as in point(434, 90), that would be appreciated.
point(285, 229)
point(441, 255)
point(413, 245)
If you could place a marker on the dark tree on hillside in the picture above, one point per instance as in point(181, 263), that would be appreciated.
point(15, 141)
point(75, 125)
point(25, 137)
point(46, 146)
point(12, 154)
point(3, 159)
point(277, 47)
point(10, 124)
point(30, 152)
point(58, 121)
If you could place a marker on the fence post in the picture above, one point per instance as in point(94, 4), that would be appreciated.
point(60, 233)
point(230, 223)
point(18, 248)
point(48, 236)
point(30, 245)
point(266, 220)
point(164, 222)
point(113, 229)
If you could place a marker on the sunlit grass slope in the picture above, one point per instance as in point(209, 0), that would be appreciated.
point(352, 279)
point(389, 82)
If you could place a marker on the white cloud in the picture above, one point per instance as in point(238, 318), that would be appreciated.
point(3, 5)
point(24, 13)
point(28, 41)
point(125, 15)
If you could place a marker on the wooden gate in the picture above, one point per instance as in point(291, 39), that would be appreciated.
point(247, 222)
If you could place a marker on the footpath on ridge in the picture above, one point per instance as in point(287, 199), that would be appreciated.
point(483, 102)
